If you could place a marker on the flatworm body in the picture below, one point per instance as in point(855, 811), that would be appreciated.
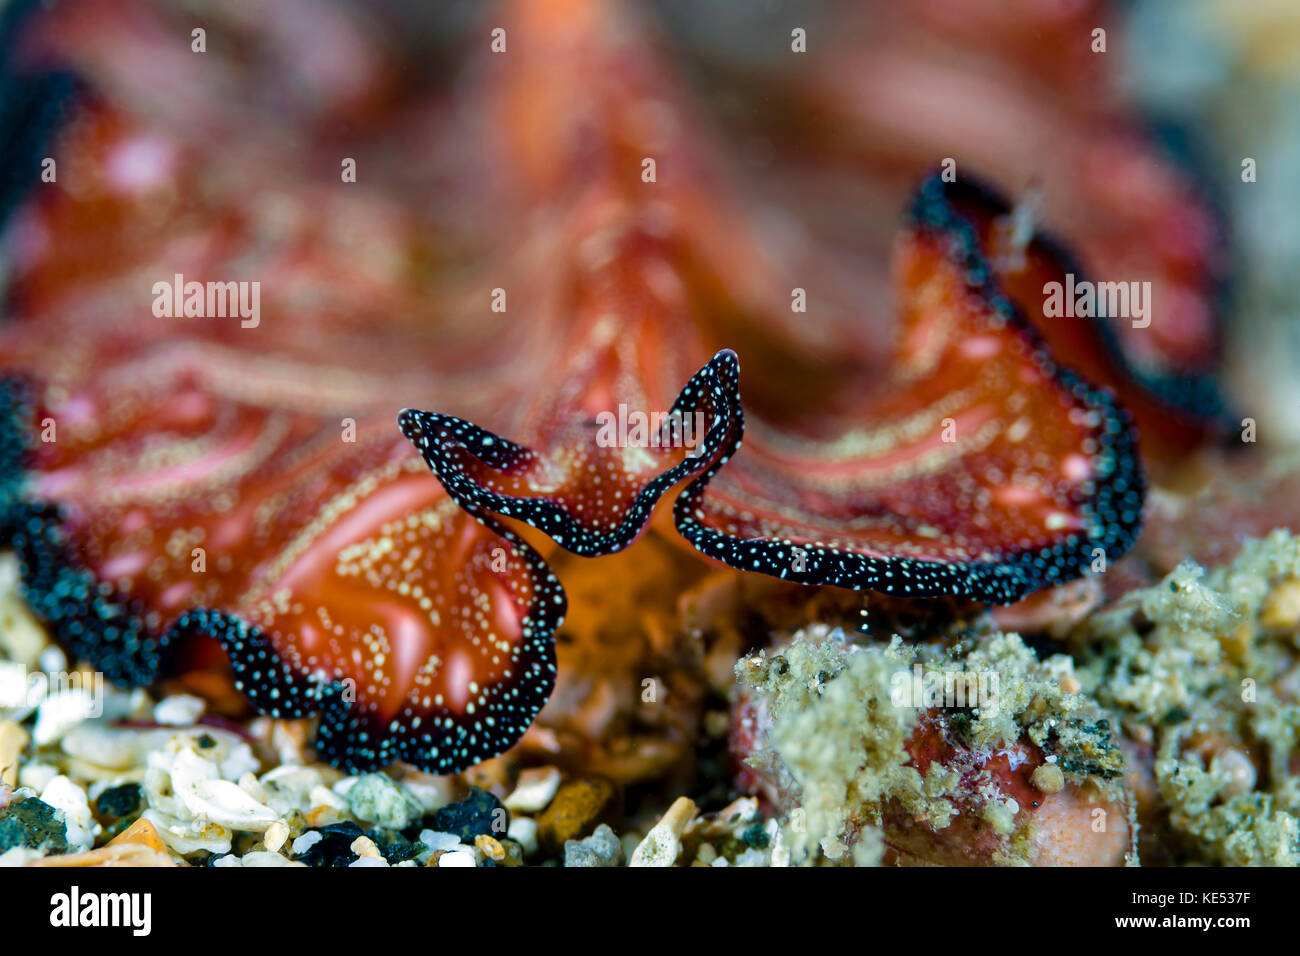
point(169, 479)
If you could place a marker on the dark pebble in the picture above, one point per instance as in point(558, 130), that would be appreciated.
point(393, 846)
point(479, 814)
point(118, 802)
point(334, 848)
point(33, 824)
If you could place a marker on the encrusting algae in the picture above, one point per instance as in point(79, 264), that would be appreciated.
point(839, 742)
point(1202, 673)
point(1170, 728)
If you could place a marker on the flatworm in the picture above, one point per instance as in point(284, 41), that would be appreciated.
point(211, 482)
